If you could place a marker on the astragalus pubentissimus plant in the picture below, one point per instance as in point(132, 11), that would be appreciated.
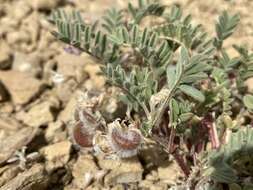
point(181, 87)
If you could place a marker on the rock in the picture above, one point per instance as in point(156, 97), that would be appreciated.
point(20, 10)
point(16, 38)
point(33, 178)
point(65, 90)
point(145, 184)
point(39, 115)
point(56, 155)
point(3, 93)
point(8, 172)
point(149, 185)
point(27, 63)
point(84, 171)
point(121, 171)
point(70, 65)
point(9, 24)
point(152, 176)
point(22, 87)
point(96, 81)
point(15, 141)
point(55, 132)
point(32, 26)
point(44, 4)
point(48, 67)
point(6, 108)
point(5, 56)
point(118, 187)
point(10, 125)
point(170, 173)
point(67, 114)
point(152, 155)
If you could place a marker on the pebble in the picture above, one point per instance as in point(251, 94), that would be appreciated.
point(70, 65)
point(21, 86)
point(20, 10)
point(55, 132)
point(45, 4)
point(121, 171)
point(5, 56)
point(27, 63)
point(57, 155)
point(39, 115)
point(169, 173)
point(84, 171)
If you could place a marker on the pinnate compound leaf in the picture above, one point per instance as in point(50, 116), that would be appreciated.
point(192, 92)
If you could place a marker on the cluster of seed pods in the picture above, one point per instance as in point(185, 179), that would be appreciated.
point(116, 138)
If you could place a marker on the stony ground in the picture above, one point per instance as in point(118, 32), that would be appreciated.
point(35, 147)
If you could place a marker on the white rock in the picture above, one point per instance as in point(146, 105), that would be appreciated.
point(27, 63)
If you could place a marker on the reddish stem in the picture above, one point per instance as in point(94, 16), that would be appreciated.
point(181, 162)
point(212, 131)
point(171, 146)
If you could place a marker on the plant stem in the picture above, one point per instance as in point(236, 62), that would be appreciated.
point(180, 161)
point(158, 116)
point(212, 130)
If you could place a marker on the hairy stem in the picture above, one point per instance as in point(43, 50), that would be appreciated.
point(180, 161)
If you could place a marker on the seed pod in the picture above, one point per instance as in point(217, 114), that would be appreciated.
point(82, 136)
point(86, 118)
point(124, 141)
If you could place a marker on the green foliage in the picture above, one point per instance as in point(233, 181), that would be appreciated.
point(145, 8)
point(225, 27)
point(233, 159)
point(246, 62)
point(137, 85)
point(172, 75)
point(72, 30)
point(112, 19)
point(180, 29)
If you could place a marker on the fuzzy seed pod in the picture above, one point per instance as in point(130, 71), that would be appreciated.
point(86, 118)
point(124, 141)
point(82, 136)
